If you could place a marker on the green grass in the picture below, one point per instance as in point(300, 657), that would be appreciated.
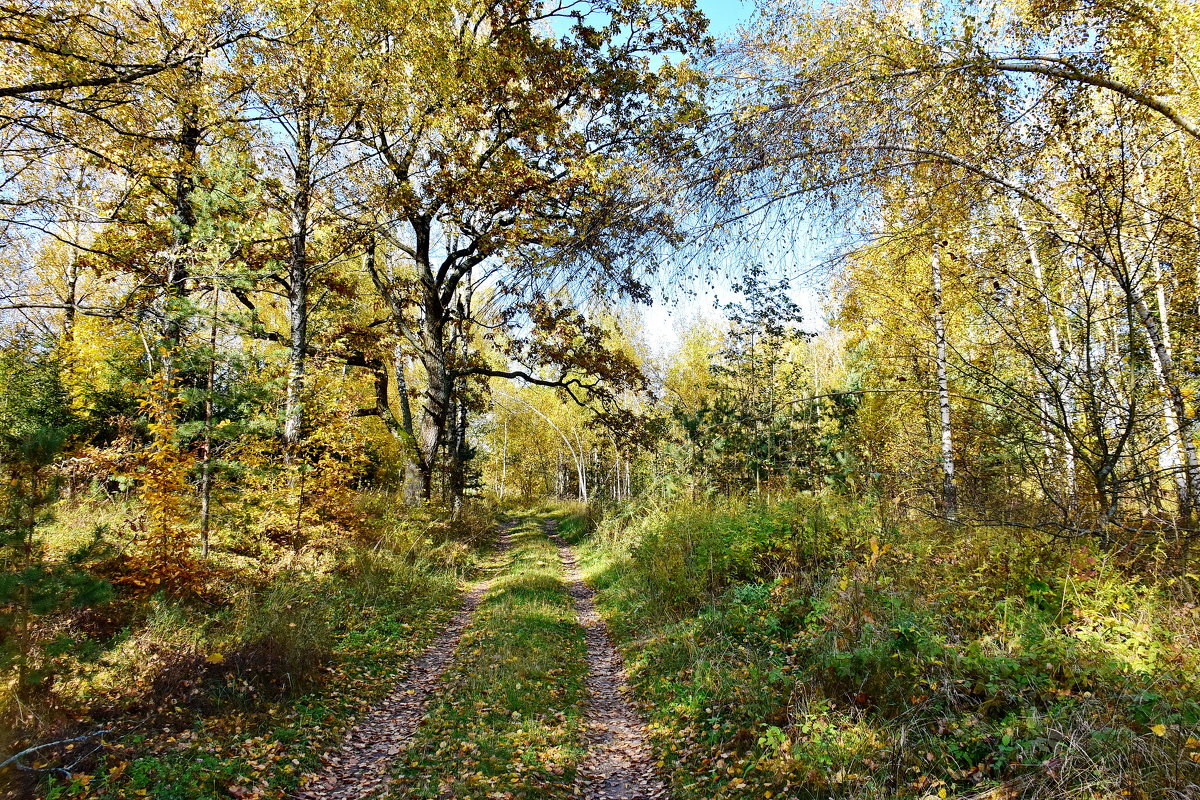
point(796, 650)
point(509, 723)
point(573, 520)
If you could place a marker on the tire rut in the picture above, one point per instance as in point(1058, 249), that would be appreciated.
point(361, 766)
point(618, 764)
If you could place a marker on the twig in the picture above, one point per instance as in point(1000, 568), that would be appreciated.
point(16, 758)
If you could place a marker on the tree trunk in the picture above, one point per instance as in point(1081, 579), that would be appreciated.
point(1185, 164)
point(411, 478)
point(206, 454)
point(184, 222)
point(429, 340)
point(418, 461)
point(1174, 450)
point(1175, 415)
point(581, 469)
point(504, 461)
point(457, 447)
point(399, 366)
point(1173, 454)
point(1063, 360)
point(298, 280)
point(435, 405)
point(459, 453)
point(71, 284)
point(949, 487)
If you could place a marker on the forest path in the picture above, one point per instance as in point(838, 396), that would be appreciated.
point(362, 764)
point(618, 763)
point(507, 644)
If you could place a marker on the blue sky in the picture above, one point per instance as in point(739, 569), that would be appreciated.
point(724, 15)
point(664, 320)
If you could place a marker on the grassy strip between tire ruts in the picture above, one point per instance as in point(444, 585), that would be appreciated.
point(509, 722)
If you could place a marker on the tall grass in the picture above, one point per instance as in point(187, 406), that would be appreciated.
point(802, 647)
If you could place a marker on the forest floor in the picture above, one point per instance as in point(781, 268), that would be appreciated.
point(509, 688)
point(688, 653)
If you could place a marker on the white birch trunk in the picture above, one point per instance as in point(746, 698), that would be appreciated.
point(504, 461)
point(1064, 360)
point(1186, 165)
point(298, 281)
point(1174, 409)
point(949, 487)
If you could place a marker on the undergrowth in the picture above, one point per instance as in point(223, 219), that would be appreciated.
point(236, 691)
point(796, 649)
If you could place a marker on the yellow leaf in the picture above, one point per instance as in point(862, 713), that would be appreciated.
point(1159, 729)
point(215, 658)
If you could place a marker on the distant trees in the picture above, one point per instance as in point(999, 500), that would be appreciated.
point(538, 442)
point(753, 402)
point(743, 430)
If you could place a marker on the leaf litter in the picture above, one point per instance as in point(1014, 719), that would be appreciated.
point(618, 764)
